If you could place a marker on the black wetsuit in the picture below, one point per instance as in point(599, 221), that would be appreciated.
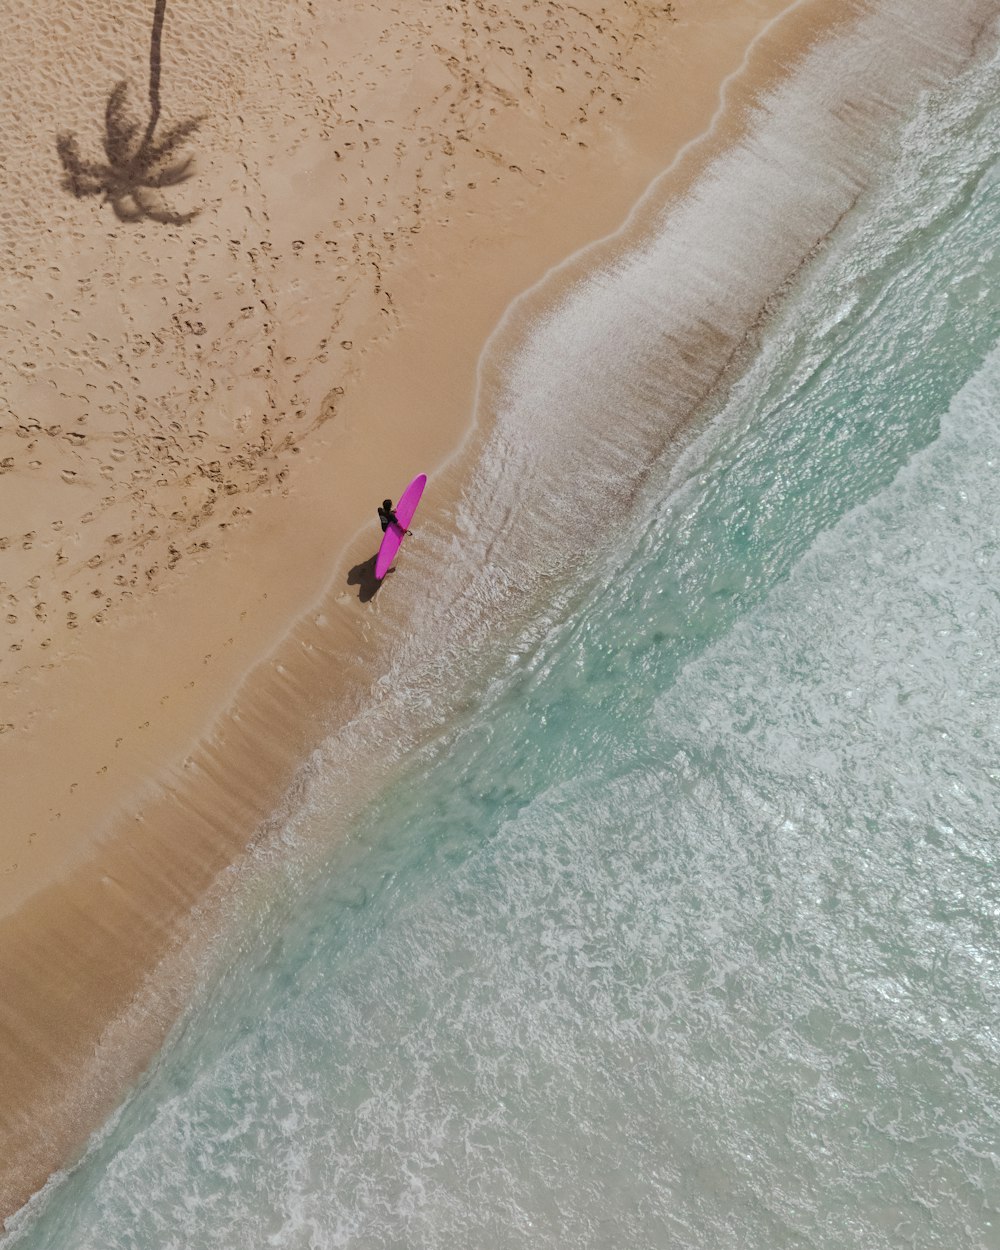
point(387, 517)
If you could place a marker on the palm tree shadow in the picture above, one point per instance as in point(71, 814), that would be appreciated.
point(138, 169)
point(363, 576)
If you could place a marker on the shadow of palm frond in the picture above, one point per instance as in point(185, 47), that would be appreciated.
point(138, 169)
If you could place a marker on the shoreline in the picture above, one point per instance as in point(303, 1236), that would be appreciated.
point(272, 703)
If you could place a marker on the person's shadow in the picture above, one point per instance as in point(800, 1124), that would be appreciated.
point(363, 576)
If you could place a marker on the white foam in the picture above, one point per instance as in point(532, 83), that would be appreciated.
point(599, 385)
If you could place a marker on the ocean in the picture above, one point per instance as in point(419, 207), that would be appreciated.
point(682, 929)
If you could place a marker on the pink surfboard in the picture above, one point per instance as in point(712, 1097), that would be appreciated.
point(394, 535)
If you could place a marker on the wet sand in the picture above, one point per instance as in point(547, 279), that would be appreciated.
point(198, 420)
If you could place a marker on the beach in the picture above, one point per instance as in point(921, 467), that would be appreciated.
point(201, 416)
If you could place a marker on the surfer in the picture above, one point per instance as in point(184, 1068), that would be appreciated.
point(394, 522)
point(387, 516)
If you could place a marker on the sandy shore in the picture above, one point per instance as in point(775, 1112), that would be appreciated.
point(198, 420)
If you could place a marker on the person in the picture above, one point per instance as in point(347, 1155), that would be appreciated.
point(387, 516)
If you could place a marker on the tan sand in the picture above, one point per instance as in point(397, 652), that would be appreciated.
point(197, 421)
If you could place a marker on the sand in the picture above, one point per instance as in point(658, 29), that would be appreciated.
point(197, 421)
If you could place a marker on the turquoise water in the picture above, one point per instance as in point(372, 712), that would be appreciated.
point(686, 933)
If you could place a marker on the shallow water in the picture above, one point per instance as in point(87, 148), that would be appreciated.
point(686, 933)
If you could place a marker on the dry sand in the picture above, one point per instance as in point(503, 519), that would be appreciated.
point(197, 420)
